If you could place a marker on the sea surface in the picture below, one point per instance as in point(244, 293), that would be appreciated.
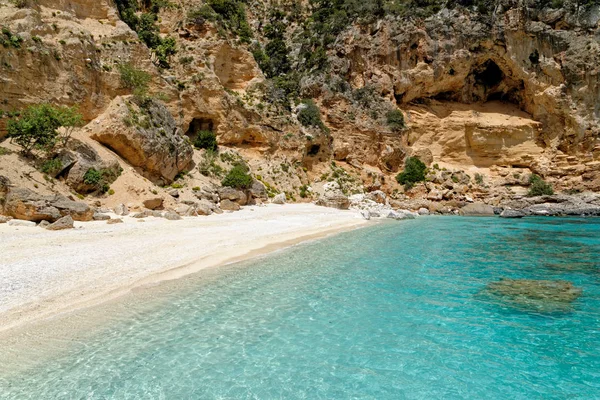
point(396, 310)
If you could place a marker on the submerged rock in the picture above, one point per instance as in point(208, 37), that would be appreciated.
point(540, 295)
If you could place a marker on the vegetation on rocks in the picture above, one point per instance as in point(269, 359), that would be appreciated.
point(414, 172)
point(100, 179)
point(144, 24)
point(238, 178)
point(539, 187)
point(206, 140)
point(395, 120)
point(310, 116)
point(37, 127)
point(134, 79)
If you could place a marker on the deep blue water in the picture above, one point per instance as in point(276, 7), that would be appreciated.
point(392, 311)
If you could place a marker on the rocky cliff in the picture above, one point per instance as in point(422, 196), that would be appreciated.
point(486, 94)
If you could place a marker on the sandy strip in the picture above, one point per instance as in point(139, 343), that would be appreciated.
point(45, 273)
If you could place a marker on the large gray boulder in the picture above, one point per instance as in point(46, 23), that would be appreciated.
point(65, 222)
point(477, 210)
point(77, 159)
point(25, 204)
point(146, 135)
point(235, 195)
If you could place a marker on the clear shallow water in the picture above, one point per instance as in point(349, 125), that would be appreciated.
point(388, 312)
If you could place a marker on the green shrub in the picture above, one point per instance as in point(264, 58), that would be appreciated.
point(135, 79)
point(9, 39)
point(238, 178)
point(206, 140)
point(310, 115)
point(51, 167)
point(539, 187)
point(395, 120)
point(479, 179)
point(414, 171)
point(92, 177)
point(37, 127)
point(100, 179)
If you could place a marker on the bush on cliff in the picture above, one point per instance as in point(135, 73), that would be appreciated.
point(414, 171)
point(37, 127)
point(309, 115)
point(539, 187)
point(238, 178)
point(206, 140)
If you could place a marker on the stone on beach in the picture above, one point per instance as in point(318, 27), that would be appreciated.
point(65, 222)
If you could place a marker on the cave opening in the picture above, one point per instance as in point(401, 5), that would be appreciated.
point(199, 124)
point(489, 74)
point(314, 150)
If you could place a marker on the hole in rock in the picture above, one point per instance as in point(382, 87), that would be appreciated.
point(489, 75)
point(314, 150)
point(200, 124)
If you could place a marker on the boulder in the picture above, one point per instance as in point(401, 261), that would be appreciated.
point(258, 190)
point(77, 159)
point(146, 135)
point(121, 210)
point(142, 214)
point(4, 219)
point(228, 193)
point(114, 221)
point(65, 222)
point(153, 203)
point(338, 201)
point(279, 199)
point(171, 216)
point(401, 214)
point(43, 224)
point(510, 213)
point(477, 210)
point(377, 196)
point(173, 193)
point(423, 211)
point(21, 222)
point(228, 205)
point(25, 204)
point(101, 217)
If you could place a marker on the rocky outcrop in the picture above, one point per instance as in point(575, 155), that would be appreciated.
point(557, 205)
point(27, 205)
point(145, 134)
point(509, 213)
point(338, 201)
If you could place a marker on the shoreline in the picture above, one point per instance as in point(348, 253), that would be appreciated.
point(78, 288)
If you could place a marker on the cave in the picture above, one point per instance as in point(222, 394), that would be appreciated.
point(489, 74)
point(199, 124)
point(314, 150)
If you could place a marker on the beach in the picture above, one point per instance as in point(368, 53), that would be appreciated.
point(46, 273)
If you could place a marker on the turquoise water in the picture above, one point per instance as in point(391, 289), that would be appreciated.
point(392, 311)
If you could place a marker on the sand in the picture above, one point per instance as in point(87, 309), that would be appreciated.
point(46, 273)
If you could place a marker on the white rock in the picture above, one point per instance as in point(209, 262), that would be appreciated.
point(279, 199)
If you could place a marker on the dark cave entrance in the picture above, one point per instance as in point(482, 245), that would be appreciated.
point(199, 124)
point(489, 74)
point(314, 149)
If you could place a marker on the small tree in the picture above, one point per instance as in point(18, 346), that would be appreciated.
point(309, 115)
point(135, 79)
point(414, 171)
point(238, 178)
point(206, 140)
point(395, 120)
point(539, 187)
point(38, 127)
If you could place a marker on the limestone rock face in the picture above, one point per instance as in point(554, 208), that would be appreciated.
point(27, 205)
point(146, 136)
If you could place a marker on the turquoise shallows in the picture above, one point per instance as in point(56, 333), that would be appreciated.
point(391, 311)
